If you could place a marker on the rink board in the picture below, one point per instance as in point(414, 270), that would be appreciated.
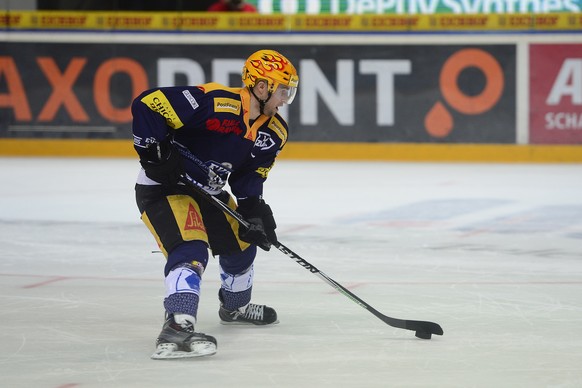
point(321, 151)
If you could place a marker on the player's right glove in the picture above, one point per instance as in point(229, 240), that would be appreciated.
point(161, 162)
point(259, 215)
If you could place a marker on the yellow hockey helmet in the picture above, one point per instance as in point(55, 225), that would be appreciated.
point(273, 67)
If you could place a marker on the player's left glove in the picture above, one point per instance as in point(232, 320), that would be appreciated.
point(162, 162)
point(262, 223)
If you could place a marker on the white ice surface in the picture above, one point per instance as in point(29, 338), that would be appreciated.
point(492, 252)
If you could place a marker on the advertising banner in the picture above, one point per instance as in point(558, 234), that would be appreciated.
point(555, 93)
point(347, 93)
point(285, 23)
point(354, 7)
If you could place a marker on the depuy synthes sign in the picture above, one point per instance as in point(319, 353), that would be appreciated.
point(415, 6)
point(426, 93)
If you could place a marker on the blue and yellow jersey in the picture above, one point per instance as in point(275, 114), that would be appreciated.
point(213, 122)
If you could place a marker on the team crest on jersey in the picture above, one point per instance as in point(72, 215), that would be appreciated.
point(227, 105)
point(264, 141)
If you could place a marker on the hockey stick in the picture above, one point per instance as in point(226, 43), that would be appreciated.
point(422, 329)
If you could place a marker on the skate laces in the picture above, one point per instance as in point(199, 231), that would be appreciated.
point(184, 321)
point(254, 312)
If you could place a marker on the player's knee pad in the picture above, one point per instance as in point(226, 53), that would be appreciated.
point(236, 275)
point(193, 252)
point(238, 262)
point(183, 290)
point(183, 279)
point(237, 282)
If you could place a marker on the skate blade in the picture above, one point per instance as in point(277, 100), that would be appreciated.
point(243, 323)
point(171, 352)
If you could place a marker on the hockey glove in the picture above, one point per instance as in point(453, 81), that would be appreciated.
point(261, 231)
point(162, 162)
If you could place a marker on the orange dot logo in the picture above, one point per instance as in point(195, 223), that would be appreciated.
point(439, 122)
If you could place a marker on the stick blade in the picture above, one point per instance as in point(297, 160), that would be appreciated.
point(423, 329)
point(423, 335)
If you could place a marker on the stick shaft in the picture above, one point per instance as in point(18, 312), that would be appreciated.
point(428, 327)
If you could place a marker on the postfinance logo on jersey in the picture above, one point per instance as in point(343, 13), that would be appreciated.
point(158, 102)
point(227, 105)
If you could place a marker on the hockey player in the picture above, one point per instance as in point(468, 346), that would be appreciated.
point(229, 135)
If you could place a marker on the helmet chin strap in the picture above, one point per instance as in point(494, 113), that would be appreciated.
point(261, 102)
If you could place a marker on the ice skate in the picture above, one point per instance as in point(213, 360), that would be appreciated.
point(252, 314)
point(179, 340)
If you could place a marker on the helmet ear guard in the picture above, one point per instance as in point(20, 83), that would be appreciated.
point(275, 69)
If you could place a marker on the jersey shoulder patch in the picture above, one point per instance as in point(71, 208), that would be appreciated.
point(158, 102)
point(279, 126)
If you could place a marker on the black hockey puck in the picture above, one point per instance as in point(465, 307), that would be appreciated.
point(423, 334)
